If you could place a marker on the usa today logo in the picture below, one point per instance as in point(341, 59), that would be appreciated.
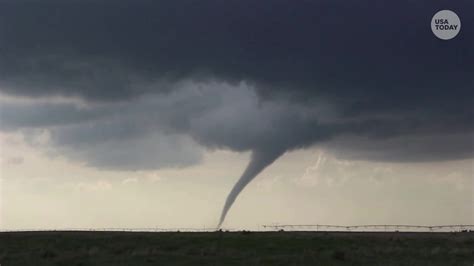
point(445, 24)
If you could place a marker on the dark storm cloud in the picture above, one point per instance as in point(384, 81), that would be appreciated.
point(385, 80)
point(15, 115)
point(412, 148)
point(333, 48)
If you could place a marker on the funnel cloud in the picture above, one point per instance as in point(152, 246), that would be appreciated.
point(259, 160)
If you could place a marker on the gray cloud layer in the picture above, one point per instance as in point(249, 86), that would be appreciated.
point(157, 79)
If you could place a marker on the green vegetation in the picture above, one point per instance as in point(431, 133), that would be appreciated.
point(236, 248)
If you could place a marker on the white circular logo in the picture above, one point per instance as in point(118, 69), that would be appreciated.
point(445, 24)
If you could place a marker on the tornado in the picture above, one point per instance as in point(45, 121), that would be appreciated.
point(259, 160)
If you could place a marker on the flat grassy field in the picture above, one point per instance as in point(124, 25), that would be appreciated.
point(235, 248)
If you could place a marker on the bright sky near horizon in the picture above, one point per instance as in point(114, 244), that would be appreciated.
point(303, 187)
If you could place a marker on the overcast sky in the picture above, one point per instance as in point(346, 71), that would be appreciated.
point(145, 113)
